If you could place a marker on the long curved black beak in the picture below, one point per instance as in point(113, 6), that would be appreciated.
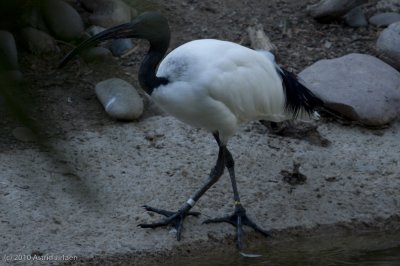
point(126, 30)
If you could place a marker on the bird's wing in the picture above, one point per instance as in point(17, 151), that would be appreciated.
point(216, 85)
point(247, 83)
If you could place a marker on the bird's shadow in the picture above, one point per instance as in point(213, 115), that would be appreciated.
point(302, 131)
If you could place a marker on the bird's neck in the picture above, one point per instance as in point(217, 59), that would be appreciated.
point(147, 72)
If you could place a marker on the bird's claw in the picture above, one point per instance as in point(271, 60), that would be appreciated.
point(173, 218)
point(238, 219)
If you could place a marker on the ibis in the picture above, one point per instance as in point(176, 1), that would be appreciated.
point(215, 85)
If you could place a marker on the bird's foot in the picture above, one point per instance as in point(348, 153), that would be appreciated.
point(238, 219)
point(173, 218)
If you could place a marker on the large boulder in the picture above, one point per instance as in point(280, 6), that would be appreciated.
point(358, 86)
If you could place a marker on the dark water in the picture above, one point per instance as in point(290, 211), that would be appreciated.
point(369, 250)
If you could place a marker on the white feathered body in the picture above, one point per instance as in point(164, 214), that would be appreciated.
point(216, 85)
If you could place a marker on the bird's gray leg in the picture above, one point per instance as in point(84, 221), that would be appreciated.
point(239, 217)
point(176, 218)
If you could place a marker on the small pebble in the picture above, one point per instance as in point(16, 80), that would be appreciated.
point(384, 19)
point(121, 46)
point(120, 99)
point(97, 54)
point(356, 18)
point(38, 42)
point(93, 30)
point(327, 44)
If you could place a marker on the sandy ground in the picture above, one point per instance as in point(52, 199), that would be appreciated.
point(89, 204)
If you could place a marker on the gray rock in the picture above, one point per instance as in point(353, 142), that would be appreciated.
point(97, 54)
point(93, 5)
point(108, 13)
point(93, 30)
point(356, 18)
point(388, 6)
point(389, 44)
point(34, 19)
point(359, 86)
point(384, 19)
point(24, 134)
point(328, 44)
point(120, 99)
point(134, 13)
point(38, 42)
point(8, 51)
point(328, 10)
point(62, 19)
point(121, 46)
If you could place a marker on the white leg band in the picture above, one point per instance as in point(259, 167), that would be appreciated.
point(191, 202)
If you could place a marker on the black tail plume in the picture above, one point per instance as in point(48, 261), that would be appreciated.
point(298, 97)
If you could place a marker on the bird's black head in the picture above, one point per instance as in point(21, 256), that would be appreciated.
point(151, 26)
